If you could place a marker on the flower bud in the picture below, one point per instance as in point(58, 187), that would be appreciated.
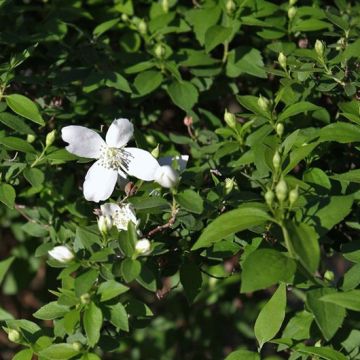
point(293, 195)
point(159, 51)
point(269, 197)
point(85, 298)
point(143, 246)
point(230, 6)
point(150, 139)
point(329, 275)
point(166, 176)
point(319, 48)
point(188, 120)
point(282, 60)
point(292, 12)
point(279, 129)
point(50, 138)
point(165, 6)
point(292, 2)
point(263, 103)
point(276, 160)
point(77, 346)
point(14, 335)
point(124, 17)
point(281, 190)
point(105, 224)
point(229, 185)
point(30, 138)
point(230, 119)
point(156, 151)
point(61, 253)
point(142, 27)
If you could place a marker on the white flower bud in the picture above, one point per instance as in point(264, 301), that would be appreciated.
point(293, 195)
point(230, 119)
point(143, 246)
point(166, 176)
point(105, 224)
point(276, 160)
point(50, 138)
point(30, 138)
point(319, 48)
point(14, 335)
point(61, 253)
point(292, 12)
point(269, 197)
point(263, 103)
point(282, 60)
point(280, 129)
point(281, 190)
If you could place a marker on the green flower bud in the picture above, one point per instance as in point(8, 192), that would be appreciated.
point(230, 119)
point(105, 224)
point(50, 138)
point(14, 335)
point(124, 17)
point(292, 12)
point(282, 60)
point(156, 151)
point(263, 103)
point(276, 160)
point(85, 298)
point(229, 185)
point(30, 138)
point(329, 275)
point(281, 190)
point(230, 7)
point(165, 6)
point(292, 2)
point(142, 27)
point(319, 48)
point(279, 129)
point(150, 139)
point(269, 197)
point(293, 195)
point(159, 51)
point(77, 346)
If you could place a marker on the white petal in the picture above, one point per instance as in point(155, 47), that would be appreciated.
point(180, 160)
point(120, 132)
point(99, 182)
point(166, 176)
point(109, 209)
point(142, 164)
point(82, 141)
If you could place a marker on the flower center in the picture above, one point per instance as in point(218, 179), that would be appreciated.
point(114, 158)
point(122, 217)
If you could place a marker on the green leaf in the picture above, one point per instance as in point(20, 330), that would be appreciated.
point(298, 327)
point(51, 311)
point(298, 108)
point(266, 267)
point(14, 122)
point(243, 355)
point(92, 321)
point(58, 352)
point(323, 352)
point(340, 132)
point(245, 217)
point(147, 278)
point(90, 357)
point(85, 281)
point(26, 354)
point(348, 300)
point(298, 155)
point(304, 241)
point(110, 289)
point(215, 36)
point(147, 81)
point(34, 176)
point(17, 144)
point(310, 25)
point(329, 317)
point(4, 267)
point(105, 26)
point(183, 94)
point(130, 269)
point(351, 278)
point(350, 176)
point(119, 316)
point(191, 280)
point(23, 106)
point(250, 102)
point(128, 239)
point(7, 195)
point(191, 201)
point(271, 317)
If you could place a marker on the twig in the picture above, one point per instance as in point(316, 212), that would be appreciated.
point(163, 227)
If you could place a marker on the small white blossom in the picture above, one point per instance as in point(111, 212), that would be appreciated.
point(167, 175)
point(105, 224)
point(120, 215)
point(61, 253)
point(143, 246)
point(114, 159)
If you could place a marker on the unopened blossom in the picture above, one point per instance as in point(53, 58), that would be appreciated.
point(120, 215)
point(105, 223)
point(61, 253)
point(167, 174)
point(113, 159)
point(143, 246)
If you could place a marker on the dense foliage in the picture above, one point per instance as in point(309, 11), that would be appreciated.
point(254, 250)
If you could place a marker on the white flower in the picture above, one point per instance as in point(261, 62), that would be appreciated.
point(113, 158)
point(61, 253)
point(120, 215)
point(167, 175)
point(143, 246)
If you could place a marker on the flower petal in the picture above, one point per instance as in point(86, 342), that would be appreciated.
point(82, 141)
point(179, 160)
point(99, 182)
point(142, 164)
point(109, 209)
point(120, 132)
